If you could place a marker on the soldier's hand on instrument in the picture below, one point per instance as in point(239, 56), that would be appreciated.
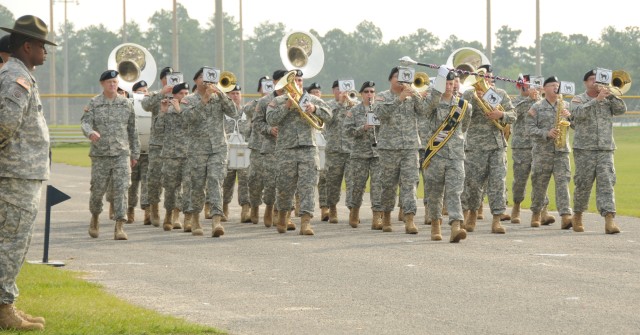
point(167, 89)
point(495, 114)
point(288, 103)
point(311, 108)
point(565, 113)
point(164, 105)
point(368, 126)
point(274, 131)
point(603, 93)
point(553, 133)
point(95, 136)
point(134, 162)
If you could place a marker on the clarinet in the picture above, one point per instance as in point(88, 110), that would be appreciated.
point(375, 139)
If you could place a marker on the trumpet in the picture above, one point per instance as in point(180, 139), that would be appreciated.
point(420, 82)
point(375, 139)
point(227, 82)
point(352, 98)
point(620, 84)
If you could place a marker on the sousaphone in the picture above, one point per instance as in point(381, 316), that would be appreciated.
point(134, 63)
point(301, 50)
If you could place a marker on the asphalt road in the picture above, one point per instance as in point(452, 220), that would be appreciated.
point(358, 281)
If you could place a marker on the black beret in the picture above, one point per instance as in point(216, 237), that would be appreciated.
point(164, 72)
point(198, 73)
point(277, 74)
point(236, 88)
point(260, 82)
point(367, 84)
point(177, 88)
point(552, 79)
point(589, 74)
point(335, 84)
point(109, 74)
point(393, 71)
point(451, 75)
point(4, 44)
point(487, 67)
point(313, 86)
point(138, 85)
point(298, 73)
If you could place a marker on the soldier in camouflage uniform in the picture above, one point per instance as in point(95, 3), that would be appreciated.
point(445, 172)
point(593, 146)
point(24, 161)
point(485, 159)
point(204, 111)
point(297, 154)
point(399, 110)
point(175, 174)
point(151, 103)
point(139, 173)
point(364, 160)
point(548, 157)
point(241, 124)
point(337, 153)
point(110, 123)
point(316, 89)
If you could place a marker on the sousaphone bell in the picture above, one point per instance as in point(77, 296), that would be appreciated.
point(301, 50)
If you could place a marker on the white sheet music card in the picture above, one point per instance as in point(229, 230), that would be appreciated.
point(346, 85)
point(267, 86)
point(492, 97)
point(440, 82)
point(536, 81)
point(604, 76)
point(406, 74)
point(175, 78)
point(210, 75)
point(304, 101)
point(372, 119)
point(567, 87)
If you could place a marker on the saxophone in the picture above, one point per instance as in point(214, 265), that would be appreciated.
point(562, 125)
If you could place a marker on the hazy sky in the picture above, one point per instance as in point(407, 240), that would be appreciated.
point(467, 20)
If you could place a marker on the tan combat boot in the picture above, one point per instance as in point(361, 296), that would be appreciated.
point(255, 214)
point(386, 222)
point(324, 213)
point(457, 232)
point(245, 213)
point(175, 219)
point(496, 227)
point(196, 228)
point(515, 213)
point(94, 229)
point(465, 215)
point(207, 211)
point(445, 212)
point(400, 214)
point(409, 226)
point(470, 225)
point(333, 214)
point(290, 224)
point(147, 216)
point(131, 214)
point(268, 216)
point(610, 227)
point(119, 233)
point(566, 221)
point(217, 228)
point(167, 225)
point(480, 215)
point(577, 222)
point(505, 217)
point(436, 233)
point(376, 221)
point(187, 222)
point(30, 318)
point(305, 225)
point(225, 213)
point(11, 320)
point(281, 225)
point(155, 215)
point(354, 217)
point(535, 219)
point(427, 219)
point(545, 218)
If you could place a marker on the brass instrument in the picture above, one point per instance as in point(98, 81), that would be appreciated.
point(352, 98)
point(227, 82)
point(561, 125)
point(481, 86)
point(621, 83)
point(301, 50)
point(294, 94)
point(420, 82)
point(133, 63)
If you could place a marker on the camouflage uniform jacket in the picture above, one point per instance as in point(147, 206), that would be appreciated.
point(175, 134)
point(334, 132)
point(362, 140)
point(206, 122)
point(482, 133)
point(293, 130)
point(593, 121)
point(519, 137)
point(151, 103)
point(398, 121)
point(438, 110)
point(24, 136)
point(259, 124)
point(539, 120)
point(115, 121)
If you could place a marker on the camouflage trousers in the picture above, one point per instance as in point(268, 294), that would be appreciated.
point(322, 188)
point(594, 165)
point(363, 169)
point(154, 175)
point(337, 167)
point(207, 171)
point(243, 186)
point(175, 177)
point(297, 172)
point(262, 181)
point(446, 181)
point(490, 167)
point(522, 159)
point(546, 164)
point(110, 172)
point(139, 182)
point(19, 200)
point(399, 167)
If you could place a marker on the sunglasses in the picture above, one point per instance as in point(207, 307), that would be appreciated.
point(368, 91)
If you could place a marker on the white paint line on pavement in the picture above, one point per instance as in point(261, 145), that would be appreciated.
point(301, 308)
point(107, 264)
point(410, 265)
point(572, 298)
point(518, 241)
point(295, 243)
point(553, 255)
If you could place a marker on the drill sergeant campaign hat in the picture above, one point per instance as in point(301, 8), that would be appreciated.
point(30, 26)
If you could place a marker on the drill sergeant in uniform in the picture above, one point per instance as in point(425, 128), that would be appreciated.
point(243, 124)
point(24, 161)
point(257, 168)
point(485, 160)
point(593, 146)
point(139, 174)
point(337, 151)
point(399, 110)
point(175, 173)
point(364, 160)
point(204, 111)
point(151, 103)
point(110, 123)
point(549, 159)
point(297, 155)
